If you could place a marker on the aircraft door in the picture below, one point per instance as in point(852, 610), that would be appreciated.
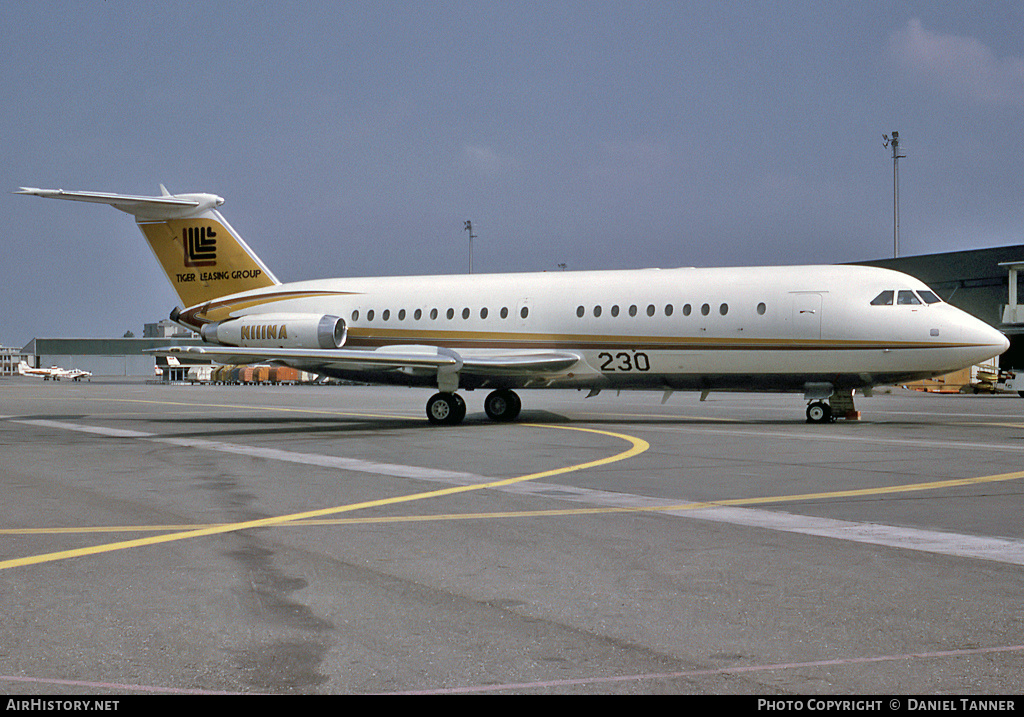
point(807, 315)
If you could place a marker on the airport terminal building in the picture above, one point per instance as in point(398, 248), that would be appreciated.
point(107, 357)
point(101, 357)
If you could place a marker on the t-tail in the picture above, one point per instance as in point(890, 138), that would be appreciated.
point(203, 257)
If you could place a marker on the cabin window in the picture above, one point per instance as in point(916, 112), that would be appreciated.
point(524, 312)
point(433, 314)
point(504, 312)
point(355, 315)
point(705, 309)
point(761, 308)
point(369, 315)
point(632, 310)
point(687, 309)
point(668, 309)
point(450, 314)
point(929, 297)
point(465, 313)
point(418, 314)
point(580, 311)
point(615, 310)
point(597, 311)
point(723, 309)
point(401, 314)
point(483, 313)
point(651, 310)
point(906, 298)
point(883, 299)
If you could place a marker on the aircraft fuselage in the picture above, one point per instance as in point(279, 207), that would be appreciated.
point(757, 328)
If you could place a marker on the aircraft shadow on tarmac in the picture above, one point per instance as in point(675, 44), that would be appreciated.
point(284, 424)
point(214, 427)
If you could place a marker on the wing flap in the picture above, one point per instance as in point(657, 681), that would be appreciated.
point(504, 364)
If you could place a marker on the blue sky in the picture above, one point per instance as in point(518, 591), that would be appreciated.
point(355, 138)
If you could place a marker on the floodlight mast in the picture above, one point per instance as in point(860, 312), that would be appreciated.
point(468, 226)
point(896, 156)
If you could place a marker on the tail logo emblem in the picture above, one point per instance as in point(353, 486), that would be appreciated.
point(200, 246)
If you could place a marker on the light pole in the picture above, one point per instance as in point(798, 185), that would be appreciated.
point(896, 156)
point(469, 228)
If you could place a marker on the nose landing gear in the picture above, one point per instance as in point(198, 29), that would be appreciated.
point(819, 412)
point(839, 405)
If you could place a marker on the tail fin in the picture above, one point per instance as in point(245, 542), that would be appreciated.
point(202, 256)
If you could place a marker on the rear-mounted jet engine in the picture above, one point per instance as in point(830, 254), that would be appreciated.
point(294, 331)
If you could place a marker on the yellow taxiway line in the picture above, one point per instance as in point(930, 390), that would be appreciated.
point(637, 446)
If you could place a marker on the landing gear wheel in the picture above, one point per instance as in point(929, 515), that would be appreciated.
point(446, 409)
point(502, 405)
point(461, 403)
point(819, 412)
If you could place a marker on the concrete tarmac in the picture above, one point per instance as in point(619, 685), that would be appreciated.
point(327, 540)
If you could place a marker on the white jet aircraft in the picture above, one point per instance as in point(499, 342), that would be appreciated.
point(55, 373)
point(823, 331)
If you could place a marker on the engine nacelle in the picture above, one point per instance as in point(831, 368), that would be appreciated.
point(291, 331)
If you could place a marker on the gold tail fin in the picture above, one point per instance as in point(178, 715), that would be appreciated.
point(204, 259)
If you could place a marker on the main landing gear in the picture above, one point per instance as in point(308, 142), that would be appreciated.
point(448, 409)
point(502, 405)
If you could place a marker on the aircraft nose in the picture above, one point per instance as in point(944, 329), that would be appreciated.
point(983, 335)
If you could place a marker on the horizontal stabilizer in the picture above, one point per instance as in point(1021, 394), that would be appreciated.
point(162, 207)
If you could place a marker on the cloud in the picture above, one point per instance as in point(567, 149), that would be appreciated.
point(632, 160)
point(485, 160)
point(960, 66)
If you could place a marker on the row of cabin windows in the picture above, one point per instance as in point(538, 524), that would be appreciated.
point(417, 315)
point(581, 311)
point(905, 297)
point(669, 309)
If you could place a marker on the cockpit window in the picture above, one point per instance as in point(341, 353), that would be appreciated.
point(929, 297)
point(883, 299)
point(907, 297)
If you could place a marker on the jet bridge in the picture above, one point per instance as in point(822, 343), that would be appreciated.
point(1013, 311)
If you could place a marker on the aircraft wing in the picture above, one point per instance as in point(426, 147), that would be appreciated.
point(394, 358)
point(334, 358)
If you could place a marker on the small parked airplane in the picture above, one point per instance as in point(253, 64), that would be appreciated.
point(55, 373)
point(823, 331)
